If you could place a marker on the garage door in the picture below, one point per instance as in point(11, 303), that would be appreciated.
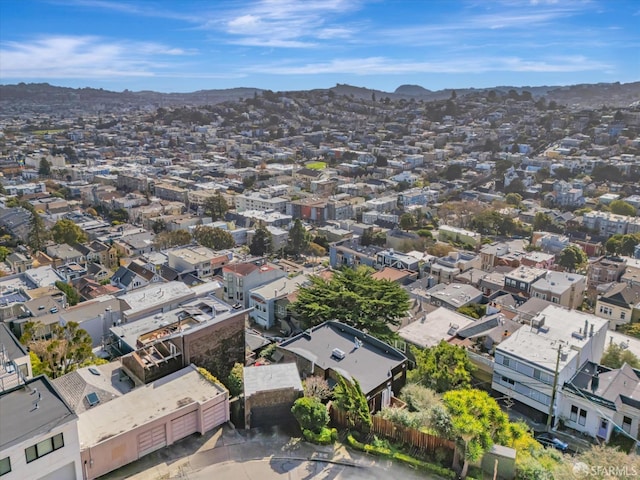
point(185, 425)
point(151, 440)
point(214, 416)
point(272, 415)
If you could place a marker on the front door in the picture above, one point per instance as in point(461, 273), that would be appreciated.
point(604, 426)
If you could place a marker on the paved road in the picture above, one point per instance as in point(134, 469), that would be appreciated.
point(229, 454)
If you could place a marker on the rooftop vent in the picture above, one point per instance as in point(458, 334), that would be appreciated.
point(339, 354)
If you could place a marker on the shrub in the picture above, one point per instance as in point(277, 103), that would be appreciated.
point(311, 414)
point(327, 436)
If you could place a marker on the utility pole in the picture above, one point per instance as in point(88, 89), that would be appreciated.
point(554, 389)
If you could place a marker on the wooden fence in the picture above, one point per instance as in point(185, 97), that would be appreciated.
point(423, 442)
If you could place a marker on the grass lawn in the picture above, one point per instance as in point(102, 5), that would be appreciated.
point(316, 165)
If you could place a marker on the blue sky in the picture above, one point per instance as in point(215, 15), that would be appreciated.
point(187, 45)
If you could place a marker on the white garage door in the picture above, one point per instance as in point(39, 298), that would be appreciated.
point(214, 416)
point(151, 440)
point(184, 425)
point(68, 472)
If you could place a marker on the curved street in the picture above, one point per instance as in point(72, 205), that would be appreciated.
point(271, 454)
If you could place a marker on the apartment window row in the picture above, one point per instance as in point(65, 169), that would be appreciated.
point(523, 389)
point(44, 447)
point(524, 369)
point(578, 415)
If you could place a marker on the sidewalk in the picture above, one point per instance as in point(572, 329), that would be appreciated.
point(230, 445)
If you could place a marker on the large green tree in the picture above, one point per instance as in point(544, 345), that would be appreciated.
point(172, 239)
point(352, 296)
point(620, 207)
point(477, 423)
point(213, 237)
point(66, 231)
point(72, 294)
point(298, 239)
point(572, 257)
point(215, 206)
point(38, 233)
point(615, 356)
point(66, 348)
point(442, 368)
point(44, 169)
point(407, 221)
point(261, 243)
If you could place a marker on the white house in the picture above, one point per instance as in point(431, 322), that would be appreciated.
point(597, 400)
point(263, 299)
point(558, 342)
point(39, 434)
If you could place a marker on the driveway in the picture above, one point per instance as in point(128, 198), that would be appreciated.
point(257, 454)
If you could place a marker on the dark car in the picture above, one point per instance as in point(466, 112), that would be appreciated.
point(549, 440)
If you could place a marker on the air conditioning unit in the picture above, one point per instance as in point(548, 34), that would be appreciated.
point(339, 354)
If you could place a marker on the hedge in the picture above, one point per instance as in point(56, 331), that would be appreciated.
point(325, 437)
point(401, 457)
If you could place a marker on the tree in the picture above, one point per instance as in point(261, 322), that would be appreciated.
point(352, 296)
point(38, 234)
point(562, 173)
point(298, 239)
point(261, 243)
point(542, 221)
point(316, 387)
point(453, 172)
point(599, 462)
point(604, 172)
point(44, 169)
point(213, 237)
point(68, 347)
point(4, 252)
point(614, 245)
point(72, 294)
point(542, 174)
point(515, 186)
point(235, 380)
point(174, 238)
point(442, 368)
point(349, 398)
point(514, 199)
point(477, 423)
point(407, 221)
point(620, 207)
point(215, 206)
point(119, 215)
point(615, 356)
point(311, 414)
point(572, 258)
point(66, 231)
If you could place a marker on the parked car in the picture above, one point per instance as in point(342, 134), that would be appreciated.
point(549, 440)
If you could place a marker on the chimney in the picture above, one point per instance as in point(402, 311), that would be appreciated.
point(591, 331)
point(595, 382)
point(586, 327)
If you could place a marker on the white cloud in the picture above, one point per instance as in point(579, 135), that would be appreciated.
point(82, 57)
point(387, 66)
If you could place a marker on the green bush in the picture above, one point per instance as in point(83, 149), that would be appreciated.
point(401, 457)
point(311, 414)
point(326, 436)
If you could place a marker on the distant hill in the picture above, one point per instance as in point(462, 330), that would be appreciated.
point(49, 96)
point(412, 90)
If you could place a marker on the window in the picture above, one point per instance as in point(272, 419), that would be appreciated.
point(5, 465)
point(626, 424)
point(43, 448)
point(622, 315)
point(507, 381)
point(579, 415)
point(555, 299)
point(605, 310)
